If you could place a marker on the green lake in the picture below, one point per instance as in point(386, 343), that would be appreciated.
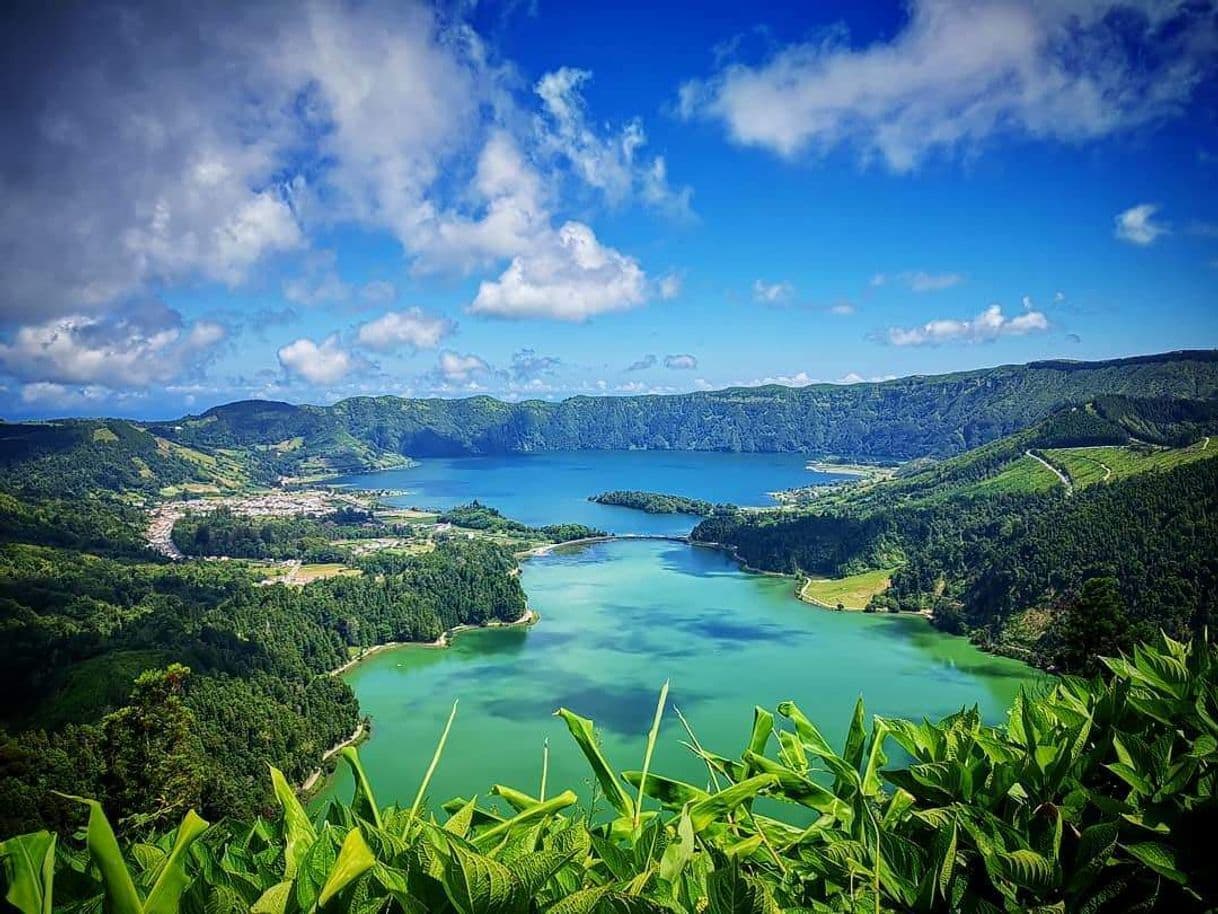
point(617, 619)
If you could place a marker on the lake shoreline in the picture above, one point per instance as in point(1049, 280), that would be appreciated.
point(528, 618)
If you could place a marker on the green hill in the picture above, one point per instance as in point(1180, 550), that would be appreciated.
point(909, 417)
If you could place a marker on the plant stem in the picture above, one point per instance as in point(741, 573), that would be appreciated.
point(431, 769)
point(651, 745)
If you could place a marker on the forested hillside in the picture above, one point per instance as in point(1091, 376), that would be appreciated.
point(909, 417)
point(992, 543)
point(238, 671)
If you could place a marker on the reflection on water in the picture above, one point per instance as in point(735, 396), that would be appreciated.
point(619, 618)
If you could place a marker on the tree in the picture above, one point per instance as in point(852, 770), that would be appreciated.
point(1094, 624)
point(154, 757)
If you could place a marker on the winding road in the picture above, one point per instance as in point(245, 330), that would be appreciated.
point(1056, 472)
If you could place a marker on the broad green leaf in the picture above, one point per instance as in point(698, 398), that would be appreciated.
point(808, 733)
point(121, 894)
point(172, 879)
point(479, 885)
point(29, 871)
point(298, 831)
point(539, 811)
point(856, 737)
point(679, 852)
point(354, 859)
point(274, 900)
point(1159, 857)
point(582, 730)
point(1028, 869)
point(674, 794)
point(459, 822)
point(716, 807)
point(364, 803)
point(728, 891)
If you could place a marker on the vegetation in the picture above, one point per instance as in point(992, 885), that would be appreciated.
point(77, 630)
point(905, 418)
point(311, 539)
point(851, 592)
point(1086, 466)
point(1097, 796)
point(987, 548)
point(659, 503)
point(477, 516)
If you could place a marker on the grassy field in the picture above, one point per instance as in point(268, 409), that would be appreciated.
point(851, 592)
point(1024, 475)
point(322, 570)
point(1087, 466)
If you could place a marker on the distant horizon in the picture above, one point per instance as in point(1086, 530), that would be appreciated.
point(1134, 357)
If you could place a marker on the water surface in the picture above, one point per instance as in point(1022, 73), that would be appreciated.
point(553, 487)
point(617, 619)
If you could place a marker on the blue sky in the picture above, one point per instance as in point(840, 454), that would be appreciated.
point(541, 200)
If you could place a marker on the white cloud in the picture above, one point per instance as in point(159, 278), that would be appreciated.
point(921, 281)
point(152, 346)
point(1027, 303)
point(612, 163)
point(1059, 297)
point(772, 293)
point(799, 379)
point(163, 145)
point(568, 275)
point(842, 309)
point(316, 364)
point(959, 73)
point(453, 366)
point(1137, 225)
point(669, 287)
point(681, 362)
point(48, 394)
point(413, 327)
point(989, 325)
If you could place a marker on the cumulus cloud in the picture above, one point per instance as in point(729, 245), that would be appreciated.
point(162, 144)
point(610, 161)
point(1137, 224)
point(647, 361)
point(453, 366)
point(772, 293)
point(989, 325)
point(151, 346)
point(681, 362)
point(317, 364)
point(958, 73)
point(413, 328)
point(567, 275)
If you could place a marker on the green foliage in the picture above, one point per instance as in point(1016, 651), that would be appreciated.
point(1093, 625)
point(905, 418)
point(660, 503)
point(980, 557)
point(477, 516)
point(77, 630)
point(1095, 796)
point(309, 539)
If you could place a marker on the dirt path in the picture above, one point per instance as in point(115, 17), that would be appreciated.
point(1056, 472)
point(329, 754)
